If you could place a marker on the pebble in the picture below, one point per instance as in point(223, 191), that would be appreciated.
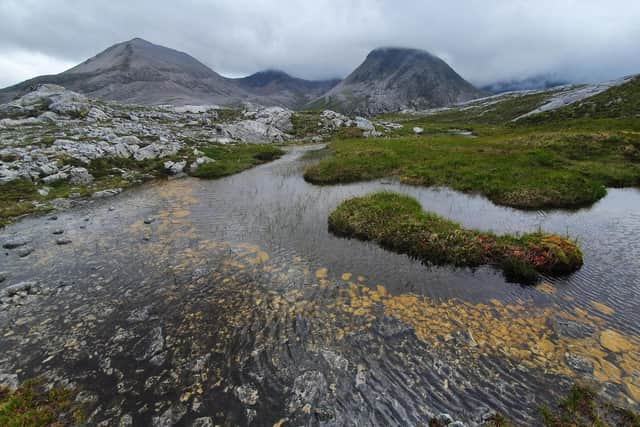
point(58, 231)
point(149, 220)
point(63, 241)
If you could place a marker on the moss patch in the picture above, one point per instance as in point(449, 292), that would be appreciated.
point(230, 159)
point(33, 405)
point(582, 408)
point(398, 223)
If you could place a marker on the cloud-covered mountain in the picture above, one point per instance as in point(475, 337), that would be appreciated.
point(140, 72)
point(392, 79)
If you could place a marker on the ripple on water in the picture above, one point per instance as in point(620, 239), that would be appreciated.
point(251, 254)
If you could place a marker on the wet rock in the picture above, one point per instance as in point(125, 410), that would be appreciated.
point(25, 251)
point(391, 327)
point(63, 241)
point(16, 242)
point(175, 168)
point(151, 345)
point(361, 375)
point(579, 363)
point(444, 419)
point(310, 388)
point(203, 422)
point(125, 421)
point(170, 417)
point(9, 380)
point(615, 341)
point(571, 328)
point(247, 394)
point(106, 193)
point(334, 360)
point(28, 287)
point(86, 397)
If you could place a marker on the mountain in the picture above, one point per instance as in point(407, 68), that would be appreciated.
point(137, 71)
point(140, 72)
point(392, 79)
point(284, 89)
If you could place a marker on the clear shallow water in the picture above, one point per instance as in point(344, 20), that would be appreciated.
point(248, 263)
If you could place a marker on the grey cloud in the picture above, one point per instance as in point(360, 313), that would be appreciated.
point(485, 41)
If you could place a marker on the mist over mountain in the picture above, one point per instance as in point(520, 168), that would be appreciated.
point(528, 83)
point(392, 79)
point(137, 71)
point(283, 88)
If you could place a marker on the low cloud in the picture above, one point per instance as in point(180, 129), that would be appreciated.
point(485, 41)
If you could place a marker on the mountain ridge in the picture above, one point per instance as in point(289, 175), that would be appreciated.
point(140, 72)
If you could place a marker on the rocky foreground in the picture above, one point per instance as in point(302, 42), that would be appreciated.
point(65, 145)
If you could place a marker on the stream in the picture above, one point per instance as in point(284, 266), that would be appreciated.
point(190, 301)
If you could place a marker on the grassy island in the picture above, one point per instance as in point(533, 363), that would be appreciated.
point(398, 223)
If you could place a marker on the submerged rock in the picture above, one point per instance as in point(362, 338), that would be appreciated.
point(25, 251)
point(106, 193)
point(28, 287)
point(571, 328)
point(16, 242)
point(579, 363)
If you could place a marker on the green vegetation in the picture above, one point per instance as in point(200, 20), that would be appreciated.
point(305, 124)
point(617, 102)
point(582, 408)
point(398, 223)
point(21, 197)
point(230, 159)
point(31, 405)
point(561, 159)
point(550, 170)
point(228, 114)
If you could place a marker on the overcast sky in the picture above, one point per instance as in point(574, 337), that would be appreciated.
point(484, 40)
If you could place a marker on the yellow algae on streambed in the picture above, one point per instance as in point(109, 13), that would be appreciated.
point(521, 333)
point(603, 308)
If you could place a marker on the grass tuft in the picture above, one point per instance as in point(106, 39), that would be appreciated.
point(32, 405)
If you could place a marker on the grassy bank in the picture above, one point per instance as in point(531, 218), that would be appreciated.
point(398, 223)
point(530, 170)
point(230, 159)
